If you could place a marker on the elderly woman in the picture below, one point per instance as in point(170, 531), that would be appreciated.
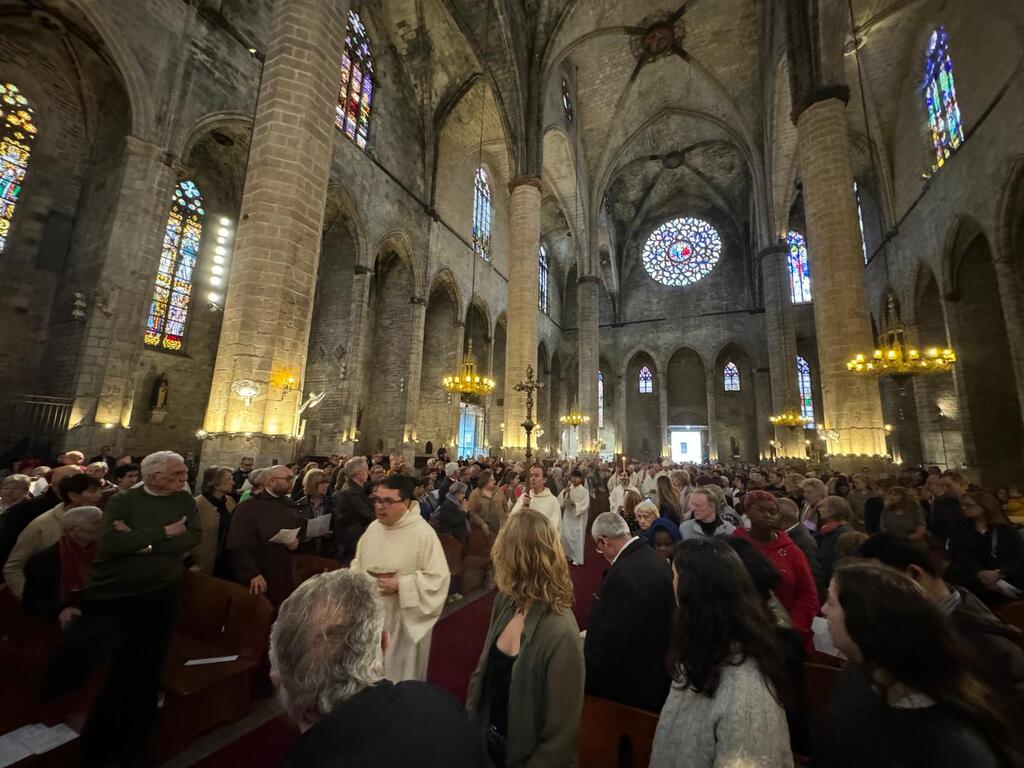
point(56, 577)
point(834, 521)
point(215, 506)
point(13, 489)
point(255, 483)
point(645, 513)
point(526, 695)
point(315, 502)
point(487, 506)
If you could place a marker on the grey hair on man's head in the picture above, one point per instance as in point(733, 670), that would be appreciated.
point(455, 488)
point(353, 465)
point(77, 516)
point(611, 525)
point(451, 468)
point(325, 646)
point(156, 461)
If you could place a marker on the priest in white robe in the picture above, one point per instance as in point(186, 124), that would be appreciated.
point(539, 498)
point(575, 508)
point(404, 554)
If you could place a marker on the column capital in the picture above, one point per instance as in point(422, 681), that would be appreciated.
point(589, 279)
point(838, 91)
point(519, 181)
point(418, 300)
point(773, 250)
point(361, 269)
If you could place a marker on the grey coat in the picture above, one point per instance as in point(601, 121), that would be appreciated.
point(691, 529)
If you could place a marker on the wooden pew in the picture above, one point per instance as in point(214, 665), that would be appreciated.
point(1013, 614)
point(819, 679)
point(305, 566)
point(477, 562)
point(614, 735)
point(452, 553)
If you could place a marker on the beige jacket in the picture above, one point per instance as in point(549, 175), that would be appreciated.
point(42, 533)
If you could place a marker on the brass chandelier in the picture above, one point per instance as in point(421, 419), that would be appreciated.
point(894, 357)
point(789, 419)
point(574, 417)
point(467, 380)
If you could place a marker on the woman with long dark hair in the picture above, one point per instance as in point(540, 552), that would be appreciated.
point(987, 552)
point(910, 696)
point(725, 705)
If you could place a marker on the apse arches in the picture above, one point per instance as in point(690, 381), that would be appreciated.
point(643, 411)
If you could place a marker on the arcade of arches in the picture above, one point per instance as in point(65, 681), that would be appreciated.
point(200, 227)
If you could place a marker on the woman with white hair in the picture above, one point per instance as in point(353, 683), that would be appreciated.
point(13, 489)
point(56, 577)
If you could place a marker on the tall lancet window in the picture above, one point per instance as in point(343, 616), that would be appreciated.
point(482, 215)
point(355, 93)
point(860, 220)
point(646, 381)
point(172, 289)
point(940, 98)
point(731, 376)
point(803, 381)
point(16, 134)
point(799, 269)
point(600, 400)
point(542, 287)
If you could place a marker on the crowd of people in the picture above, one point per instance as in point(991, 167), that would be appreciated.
point(719, 581)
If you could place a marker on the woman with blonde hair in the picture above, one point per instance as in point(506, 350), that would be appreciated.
point(315, 501)
point(670, 504)
point(630, 502)
point(526, 694)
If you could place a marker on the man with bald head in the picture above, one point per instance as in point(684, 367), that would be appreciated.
point(15, 519)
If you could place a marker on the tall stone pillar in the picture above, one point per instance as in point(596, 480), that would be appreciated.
point(1008, 278)
point(661, 379)
point(589, 348)
point(111, 348)
point(358, 314)
point(523, 274)
point(413, 377)
point(711, 387)
point(852, 405)
point(762, 393)
point(781, 332)
point(620, 414)
point(267, 313)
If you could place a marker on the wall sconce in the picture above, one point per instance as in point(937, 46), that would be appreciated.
point(247, 389)
point(219, 264)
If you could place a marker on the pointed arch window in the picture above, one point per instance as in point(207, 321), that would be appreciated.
point(803, 381)
point(17, 130)
point(542, 288)
point(860, 220)
point(482, 215)
point(600, 400)
point(567, 102)
point(940, 98)
point(172, 289)
point(646, 381)
point(799, 269)
point(731, 377)
point(355, 93)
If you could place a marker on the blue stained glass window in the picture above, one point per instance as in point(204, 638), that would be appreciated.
point(16, 134)
point(482, 215)
point(646, 381)
point(860, 220)
point(803, 381)
point(172, 289)
point(600, 400)
point(542, 292)
point(799, 269)
point(731, 376)
point(355, 93)
point(681, 251)
point(940, 98)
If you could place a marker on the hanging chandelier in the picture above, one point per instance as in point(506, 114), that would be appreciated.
point(574, 417)
point(467, 380)
point(894, 357)
point(789, 419)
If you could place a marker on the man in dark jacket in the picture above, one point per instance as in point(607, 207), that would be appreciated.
point(995, 643)
point(353, 510)
point(335, 691)
point(627, 639)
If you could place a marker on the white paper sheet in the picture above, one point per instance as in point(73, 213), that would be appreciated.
point(211, 660)
point(285, 536)
point(33, 739)
point(822, 639)
point(11, 751)
point(318, 526)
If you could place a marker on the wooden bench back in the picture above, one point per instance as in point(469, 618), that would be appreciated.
point(224, 614)
point(614, 735)
point(452, 552)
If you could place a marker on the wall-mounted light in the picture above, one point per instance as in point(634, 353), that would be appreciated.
point(78, 305)
point(218, 269)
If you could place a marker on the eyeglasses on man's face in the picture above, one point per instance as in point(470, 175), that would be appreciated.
point(385, 502)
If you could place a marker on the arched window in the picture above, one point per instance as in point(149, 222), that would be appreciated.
point(16, 133)
point(646, 381)
point(731, 376)
point(681, 251)
point(940, 98)
point(352, 115)
point(542, 287)
point(803, 380)
point(600, 400)
point(567, 102)
point(799, 269)
point(172, 289)
point(482, 215)
point(860, 220)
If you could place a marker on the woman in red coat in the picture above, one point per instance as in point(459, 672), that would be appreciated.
point(796, 590)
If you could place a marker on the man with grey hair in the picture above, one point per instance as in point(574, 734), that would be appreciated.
point(353, 511)
point(451, 475)
point(814, 492)
point(327, 661)
point(628, 632)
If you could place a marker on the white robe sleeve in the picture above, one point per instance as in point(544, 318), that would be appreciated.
point(422, 593)
point(580, 497)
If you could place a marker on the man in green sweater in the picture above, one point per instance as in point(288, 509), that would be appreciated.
point(131, 599)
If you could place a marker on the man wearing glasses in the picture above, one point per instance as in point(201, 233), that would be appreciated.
point(403, 553)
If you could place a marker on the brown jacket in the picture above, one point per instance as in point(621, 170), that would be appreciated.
point(210, 546)
point(546, 695)
point(492, 511)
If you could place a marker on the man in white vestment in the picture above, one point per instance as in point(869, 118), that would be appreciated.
point(404, 554)
point(539, 498)
point(575, 506)
point(617, 497)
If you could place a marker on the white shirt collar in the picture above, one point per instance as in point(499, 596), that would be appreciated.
point(624, 547)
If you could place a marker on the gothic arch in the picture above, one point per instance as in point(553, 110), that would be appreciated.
point(445, 278)
point(397, 242)
point(637, 350)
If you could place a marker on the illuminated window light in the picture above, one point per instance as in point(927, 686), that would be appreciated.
point(213, 296)
point(217, 269)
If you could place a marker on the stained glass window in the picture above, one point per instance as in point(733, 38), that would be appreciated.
point(172, 289)
point(600, 400)
point(355, 94)
point(681, 251)
point(16, 134)
point(799, 269)
point(542, 287)
point(646, 381)
point(731, 375)
point(482, 215)
point(860, 220)
point(940, 98)
point(567, 101)
point(803, 380)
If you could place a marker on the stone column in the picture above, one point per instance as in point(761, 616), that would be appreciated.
point(1008, 278)
point(358, 313)
point(111, 349)
point(711, 388)
point(588, 346)
point(762, 393)
point(781, 333)
point(265, 332)
point(620, 414)
point(523, 274)
point(661, 381)
point(852, 405)
point(413, 376)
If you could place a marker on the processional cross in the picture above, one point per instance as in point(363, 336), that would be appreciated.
point(529, 386)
